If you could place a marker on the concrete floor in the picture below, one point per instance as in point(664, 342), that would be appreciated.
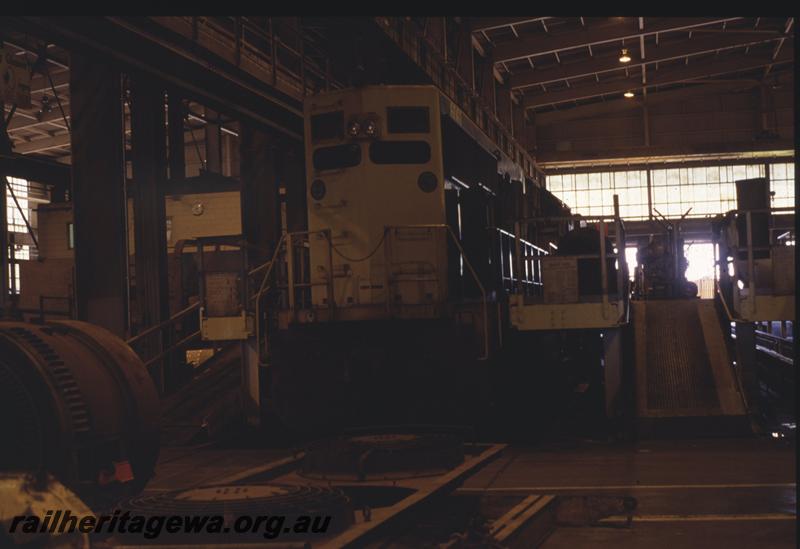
point(726, 493)
point(698, 493)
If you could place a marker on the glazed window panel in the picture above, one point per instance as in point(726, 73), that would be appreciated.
point(708, 190)
point(781, 177)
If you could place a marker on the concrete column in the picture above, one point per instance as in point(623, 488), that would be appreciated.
point(98, 192)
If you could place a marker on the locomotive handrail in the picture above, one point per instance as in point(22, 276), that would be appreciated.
point(474, 274)
point(269, 266)
point(261, 289)
point(286, 238)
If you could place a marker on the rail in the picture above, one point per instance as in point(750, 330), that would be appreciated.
point(778, 345)
point(520, 263)
point(163, 347)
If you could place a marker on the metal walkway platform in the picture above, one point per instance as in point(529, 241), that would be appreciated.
point(684, 374)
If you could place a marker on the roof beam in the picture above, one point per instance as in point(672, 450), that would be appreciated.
point(40, 84)
point(53, 117)
point(482, 24)
point(41, 145)
point(618, 28)
point(664, 52)
point(658, 78)
point(702, 87)
point(37, 169)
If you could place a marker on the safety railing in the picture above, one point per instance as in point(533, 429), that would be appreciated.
point(602, 223)
point(158, 342)
point(519, 263)
point(284, 255)
point(287, 59)
point(283, 263)
point(778, 345)
point(735, 250)
point(44, 310)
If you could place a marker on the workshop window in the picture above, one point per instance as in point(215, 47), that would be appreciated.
point(781, 183)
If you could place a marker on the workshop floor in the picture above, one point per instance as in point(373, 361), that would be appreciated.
point(723, 493)
point(736, 493)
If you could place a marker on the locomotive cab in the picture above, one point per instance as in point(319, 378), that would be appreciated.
point(375, 187)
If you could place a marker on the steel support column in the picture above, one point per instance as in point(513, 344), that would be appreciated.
point(518, 126)
point(746, 363)
point(5, 148)
point(485, 82)
point(149, 161)
point(259, 193)
point(177, 151)
point(261, 231)
point(213, 142)
point(3, 244)
point(295, 181)
point(98, 194)
point(464, 59)
point(504, 102)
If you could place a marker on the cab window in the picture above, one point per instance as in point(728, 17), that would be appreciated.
point(337, 157)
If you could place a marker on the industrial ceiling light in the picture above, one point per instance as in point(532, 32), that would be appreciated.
point(628, 94)
point(624, 57)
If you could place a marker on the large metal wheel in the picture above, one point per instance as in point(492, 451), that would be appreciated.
point(77, 402)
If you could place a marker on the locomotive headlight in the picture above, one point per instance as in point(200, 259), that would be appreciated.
point(427, 182)
point(318, 189)
point(354, 128)
point(371, 128)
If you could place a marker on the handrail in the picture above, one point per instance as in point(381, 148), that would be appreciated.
point(269, 266)
point(164, 324)
point(170, 349)
point(162, 341)
point(728, 313)
point(776, 344)
point(261, 290)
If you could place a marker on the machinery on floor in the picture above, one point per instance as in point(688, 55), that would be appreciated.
point(661, 265)
point(76, 402)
